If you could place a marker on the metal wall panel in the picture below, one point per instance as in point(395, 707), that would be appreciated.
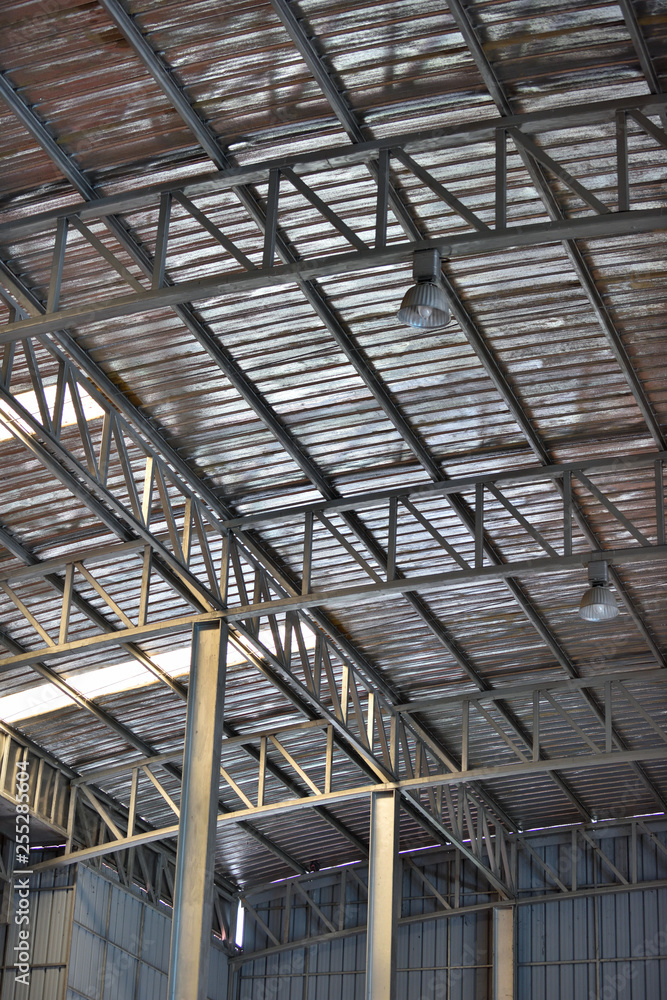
point(51, 904)
point(609, 943)
point(605, 947)
point(120, 946)
point(437, 960)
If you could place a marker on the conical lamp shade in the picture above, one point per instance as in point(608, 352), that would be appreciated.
point(598, 605)
point(424, 306)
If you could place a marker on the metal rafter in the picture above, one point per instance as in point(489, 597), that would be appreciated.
point(13, 545)
point(52, 805)
point(126, 734)
point(181, 579)
point(343, 111)
point(305, 44)
point(210, 344)
point(164, 78)
point(588, 743)
point(465, 25)
point(259, 405)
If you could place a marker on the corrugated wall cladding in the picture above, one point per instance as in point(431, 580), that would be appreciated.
point(600, 945)
point(93, 940)
point(51, 905)
point(444, 960)
point(120, 946)
point(603, 947)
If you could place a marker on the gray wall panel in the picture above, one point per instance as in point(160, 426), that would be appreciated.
point(592, 947)
point(86, 963)
point(120, 946)
point(92, 901)
point(125, 920)
point(155, 940)
point(604, 947)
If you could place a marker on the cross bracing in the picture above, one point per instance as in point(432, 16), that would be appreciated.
point(377, 247)
point(124, 457)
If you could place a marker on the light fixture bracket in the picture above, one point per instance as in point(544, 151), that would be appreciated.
point(426, 265)
point(598, 572)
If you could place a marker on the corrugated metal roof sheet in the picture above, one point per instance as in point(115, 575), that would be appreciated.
point(401, 66)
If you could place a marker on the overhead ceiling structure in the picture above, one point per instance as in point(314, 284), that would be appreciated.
point(210, 412)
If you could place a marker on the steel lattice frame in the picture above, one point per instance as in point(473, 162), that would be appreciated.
point(185, 516)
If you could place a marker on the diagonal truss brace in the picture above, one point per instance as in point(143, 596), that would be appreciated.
point(172, 558)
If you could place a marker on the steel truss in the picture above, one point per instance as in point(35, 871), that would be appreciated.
point(25, 303)
point(58, 813)
point(376, 242)
point(210, 562)
point(581, 861)
point(447, 790)
point(224, 556)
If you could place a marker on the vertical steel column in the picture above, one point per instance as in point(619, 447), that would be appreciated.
point(503, 953)
point(384, 894)
point(195, 858)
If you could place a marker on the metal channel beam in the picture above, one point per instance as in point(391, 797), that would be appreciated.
point(343, 111)
point(360, 593)
point(464, 22)
point(178, 296)
point(526, 768)
point(191, 590)
point(231, 177)
point(195, 856)
point(640, 46)
point(327, 315)
point(286, 687)
point(12, 544)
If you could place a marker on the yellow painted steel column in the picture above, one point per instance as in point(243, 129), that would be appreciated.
point(195, 859)
point(384, 895)
point(503, 953)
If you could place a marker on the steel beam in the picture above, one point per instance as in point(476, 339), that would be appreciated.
point(376, 387)
point(195, 857)
point(360, 593)
point(599, 227)
point(525, 768)
point(356, 744)
point(464, 22)
point(284, 680)
point(166, 80)
point(484, 130)
point(640, 46)
point(384, 895)
point(21, 552)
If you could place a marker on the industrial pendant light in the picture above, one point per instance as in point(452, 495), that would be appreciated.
point(598, 603)
point(425, 305)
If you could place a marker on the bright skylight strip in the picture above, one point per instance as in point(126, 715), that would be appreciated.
point(28, 401)
point(128, 675)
